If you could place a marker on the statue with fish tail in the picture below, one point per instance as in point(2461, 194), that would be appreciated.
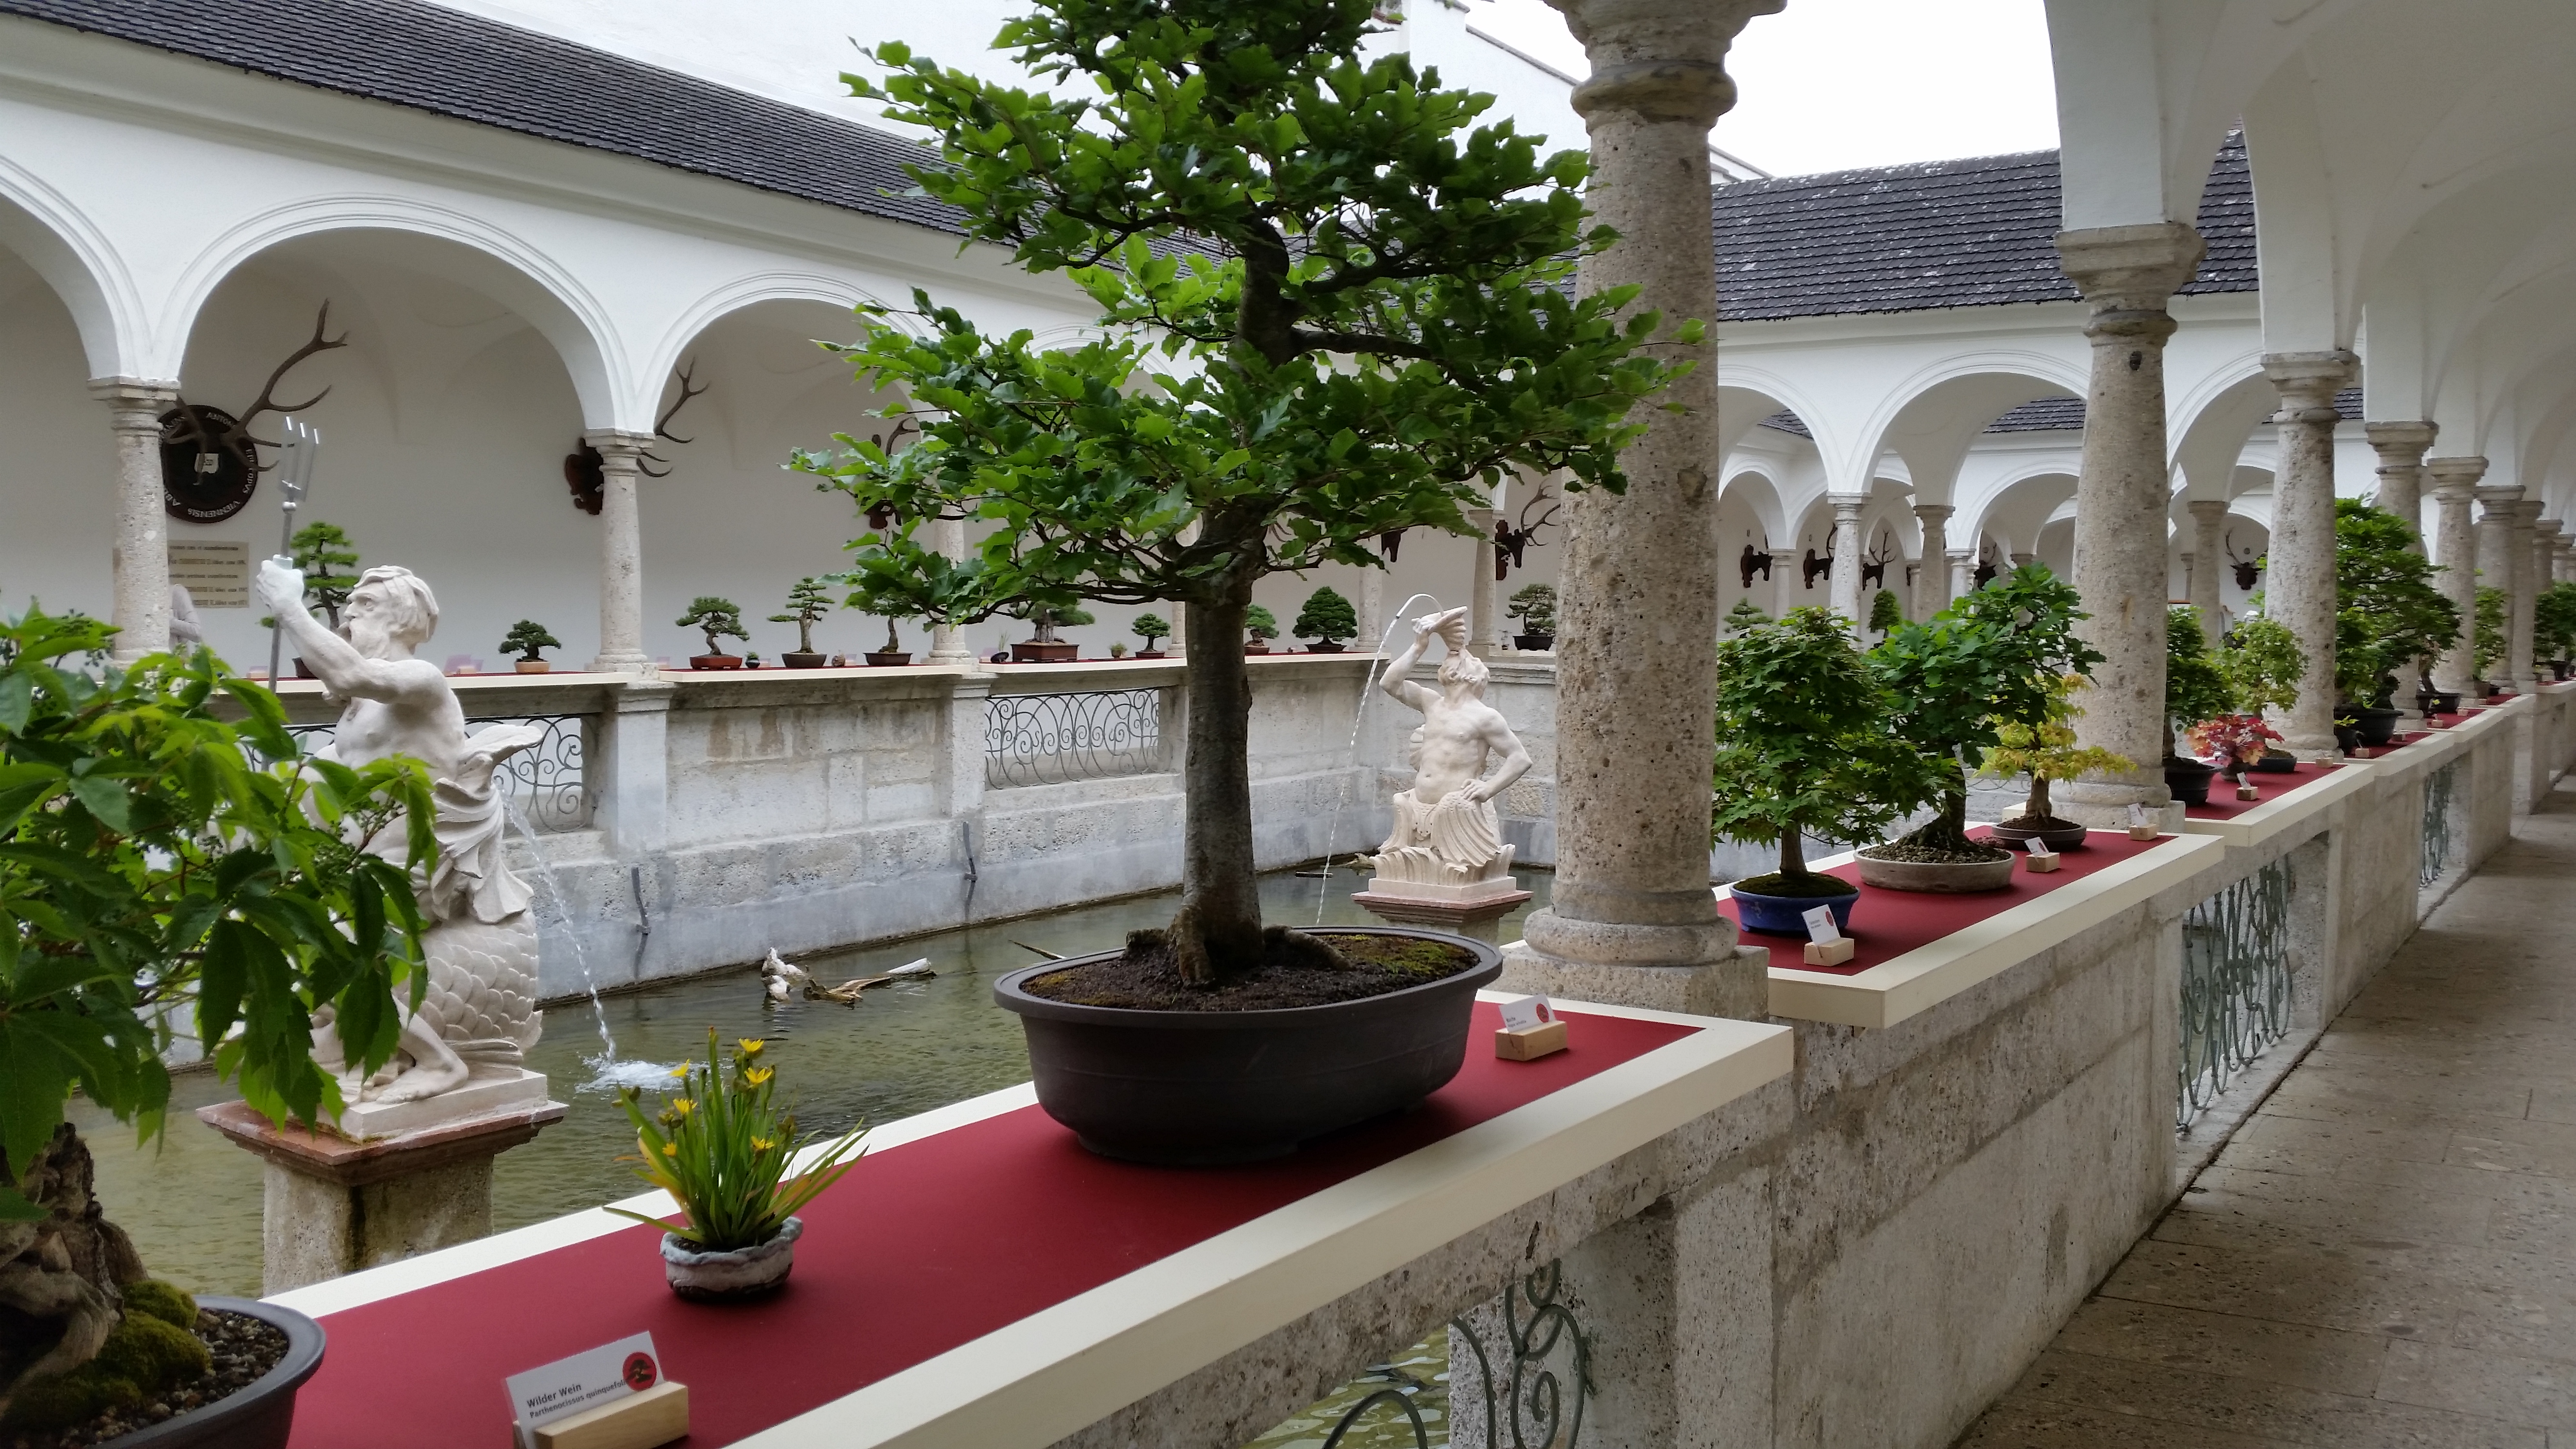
point(1447, 840)
point(478, 1016)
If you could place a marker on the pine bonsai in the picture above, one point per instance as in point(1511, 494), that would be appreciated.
point(2553, 621)
point(717, 618)
point(1046, 618)
point(1327, 618)
point(1745, 615)
point(1152, 628)
point(1260, 626)
point(2044, 749)
point(526, 637)
point(806, 606)
point(329, 562)
point(2488, 644)
point(1295, 355)
point(1804, 746)
point(2195, 690)
point(153, 871)
point(1885, 613)
point(1535, 607)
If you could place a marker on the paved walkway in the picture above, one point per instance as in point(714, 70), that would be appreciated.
point(2386, 1255)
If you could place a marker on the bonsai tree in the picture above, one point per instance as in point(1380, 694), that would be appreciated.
point(1990, 659)
point(2262, 664)
point(1294, 357)
point(2044, 749)
point(1742, 617)
point(1535, 606)
point(1327, 617)
point(2400, 617)
point(1885, 613)
point(1260, 626)
point(1046, 618)
point(717, 618)
point(526, 637)
point(153, 870)
point(2553, 622)
point(2487, 648)
point(1804, 746)
point(2195, 690)
point(806, 606)
point(330, 563)
point(1152, 628)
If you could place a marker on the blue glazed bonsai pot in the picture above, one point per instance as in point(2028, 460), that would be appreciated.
point(1786, 915)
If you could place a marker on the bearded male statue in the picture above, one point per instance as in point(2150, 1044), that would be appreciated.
point(1447, 840)
point(479, 1015)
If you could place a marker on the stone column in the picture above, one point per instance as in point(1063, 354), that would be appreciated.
point(621, 554)
point(1932, 584)
point(2455, 550)
point(1633, 918)
point(1848, 544)
point(1484, 598)
point(2401, 448)
point(1963, 572)
point(139, 561)
point(1372, 610)
point(2520, 621)
point(2497, 505)
point(2300, 591)
point(2127, 274)
point(948, 644)
point(2209, 564)
point(2564, 569)
point(1784, 584)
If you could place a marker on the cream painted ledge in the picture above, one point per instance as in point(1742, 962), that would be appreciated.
point(1930, 974)
point(1057, 1371)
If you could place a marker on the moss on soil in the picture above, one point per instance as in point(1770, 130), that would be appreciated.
point(1818, 887)
point(1292, 973)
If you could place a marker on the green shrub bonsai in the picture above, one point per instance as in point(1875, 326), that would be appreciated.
point(2488, 642)
point(1991, 659)
point(526, 637)
point(1152, 628)
point(152, 872)
point(1743, 616)
point(807, 603)
point(1327, 618)
point(1535, 606)
point(718, 619)
point(1260, 626)
point(2195, 690)
point(2386, 599)
point(2553, 622)
point(1295, 355)
point(1886, 613)
point(2262, 664)
point(1804, 747)
point(329, 563)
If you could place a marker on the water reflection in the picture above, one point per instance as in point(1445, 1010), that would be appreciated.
point(193, 1202)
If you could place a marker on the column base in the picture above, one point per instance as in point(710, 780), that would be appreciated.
point(1700, 970)
point(953, 658)
point(621, 664)
point(2103, 805)
point(333, 1206)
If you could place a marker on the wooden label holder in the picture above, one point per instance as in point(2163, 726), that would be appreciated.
point(644, 1420)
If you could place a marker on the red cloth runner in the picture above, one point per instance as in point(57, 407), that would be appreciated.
point(923, 1247)
point(1886, 924)
point(2268, 785)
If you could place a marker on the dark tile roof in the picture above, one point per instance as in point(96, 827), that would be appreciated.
point(1934, 234)
point(1785, 421)
point(2046, 415)
point(444, 61)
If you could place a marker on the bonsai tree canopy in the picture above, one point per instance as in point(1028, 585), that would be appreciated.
point(1046, 618)
point(1535, 606)
point(526, 637)
point(1886, 613)
point(1152, 628)
point(2553, 621)
point(2262, 664)
point(329, 564)
point(1804, 746)
point(2397, 617)
point(807, 603)
point(718, 619)
point(1260, 626)
point(2195, 690)
point(1295, 355)
point(1745, 615)
point(2487, 645)
point(1326, 617)
point(2045, 750)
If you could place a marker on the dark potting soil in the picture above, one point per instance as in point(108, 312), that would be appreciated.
point(1291, 973)
point(243, 1348)
point(2040, 822)
point(1775, 884)
point(1928, 855)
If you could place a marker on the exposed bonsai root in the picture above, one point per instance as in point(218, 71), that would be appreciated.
point(61, 1275)
point(1283, 946)
point(1197, 964)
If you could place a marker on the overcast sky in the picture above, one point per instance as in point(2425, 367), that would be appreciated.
point(1831, 84)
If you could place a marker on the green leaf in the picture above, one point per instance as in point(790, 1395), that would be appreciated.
point(35, 1082)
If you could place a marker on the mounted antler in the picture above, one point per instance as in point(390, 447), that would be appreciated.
point(662, 425)
point(1873, 565)
point(1754, 561)
point(213, 433)
point(1511, 539)
point(2249, 569)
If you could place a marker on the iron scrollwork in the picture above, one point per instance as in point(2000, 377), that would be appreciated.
point(1530, 1396)
point(547, 780)
point(2440, 790)
point(2235, 985)
point(1049, 739)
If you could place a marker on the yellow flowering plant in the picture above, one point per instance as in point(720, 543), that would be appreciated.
point(722, 1147)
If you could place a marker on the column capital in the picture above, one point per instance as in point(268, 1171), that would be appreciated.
point(2460, 472)
point(1851, 503)
point(2208, 508)
point(1660, 60)
point(2401, 443)
point(617, 443)
point(2526, 512)
point(2499, 499)
point(1960, 555)
point(1934, 512)
point(2548, 529)
point(135, 395)
point(2130, 270)
point(2308, 382)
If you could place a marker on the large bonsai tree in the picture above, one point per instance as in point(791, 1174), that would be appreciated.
point(807, 603)
point(1804, 747)
point(1331, 308)
point(1991, 659)
point(152, 872)
point(2195, 690)
point(2553, 621)
point(2385, 601)
point(1326, 617)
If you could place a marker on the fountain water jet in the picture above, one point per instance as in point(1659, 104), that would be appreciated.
point(1368, 686)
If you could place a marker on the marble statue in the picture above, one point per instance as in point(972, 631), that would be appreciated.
point(479, 1015)
point(1447, 841)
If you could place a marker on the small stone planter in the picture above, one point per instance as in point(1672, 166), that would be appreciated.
point(733, 1275)
point(1940, 877)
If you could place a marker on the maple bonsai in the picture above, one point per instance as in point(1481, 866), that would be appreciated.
point(1297, 352)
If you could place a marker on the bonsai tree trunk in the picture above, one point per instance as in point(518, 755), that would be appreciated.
point(1046, 629)
point(1793, 851)
point(2036, 807)
point(60, 1275)
point(804, 634)
point(892, 643)
point(1218, 930)
point(1949, 829)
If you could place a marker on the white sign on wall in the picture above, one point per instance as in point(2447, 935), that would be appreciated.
point(215, 572)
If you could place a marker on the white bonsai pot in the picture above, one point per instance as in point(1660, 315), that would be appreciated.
point(733, 1274)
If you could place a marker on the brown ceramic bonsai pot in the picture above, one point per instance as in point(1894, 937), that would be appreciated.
point(801, 659)
point(1945, 877)
point(1147, 654)
point(1052, 652)
point(531, 666)
point(1324, 646)
point(261, 1415)
point(1197, 1088)
point(2059, 838)
point(715, 661)
point(1534, 643)
point(881, 659)
point(1256, 648)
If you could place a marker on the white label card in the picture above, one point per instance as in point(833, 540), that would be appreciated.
point(1820, 926)
point(1527, 1013)
point(583, 1381)
point(2138, 816)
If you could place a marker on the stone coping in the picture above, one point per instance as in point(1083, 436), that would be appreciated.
point(1054, 1372)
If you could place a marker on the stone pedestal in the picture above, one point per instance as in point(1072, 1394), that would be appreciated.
point(333, 1205)
point(1471, 911)
point(621, 553)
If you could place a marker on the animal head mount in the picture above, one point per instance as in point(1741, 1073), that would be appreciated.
point(2249, 569)
point(662, 425)
point(586, 472)
point(1753, 561)
point(1817, 563)
point(1512, 539)
point(1873, 564)
point(210, 458)
point(1989, 562)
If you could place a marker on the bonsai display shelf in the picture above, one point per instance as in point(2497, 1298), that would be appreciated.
point(2268, 787)
point(981, 1279)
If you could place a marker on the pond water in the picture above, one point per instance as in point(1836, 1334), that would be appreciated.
point(192, 1200)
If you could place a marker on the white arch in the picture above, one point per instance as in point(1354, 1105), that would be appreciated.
point(527, 281)
point(2068, 374)
point(1760, 492)
point(75, 258)
point(2214, 422)
point(733, 296)
point(1742, 377)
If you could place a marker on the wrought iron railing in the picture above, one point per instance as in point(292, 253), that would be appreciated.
point(2440, 789)
point(547, 781)
point(1049, 739)
point(2235, 985)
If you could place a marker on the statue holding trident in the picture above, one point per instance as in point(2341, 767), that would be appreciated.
point(479, 1016)
point(1445, 862)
